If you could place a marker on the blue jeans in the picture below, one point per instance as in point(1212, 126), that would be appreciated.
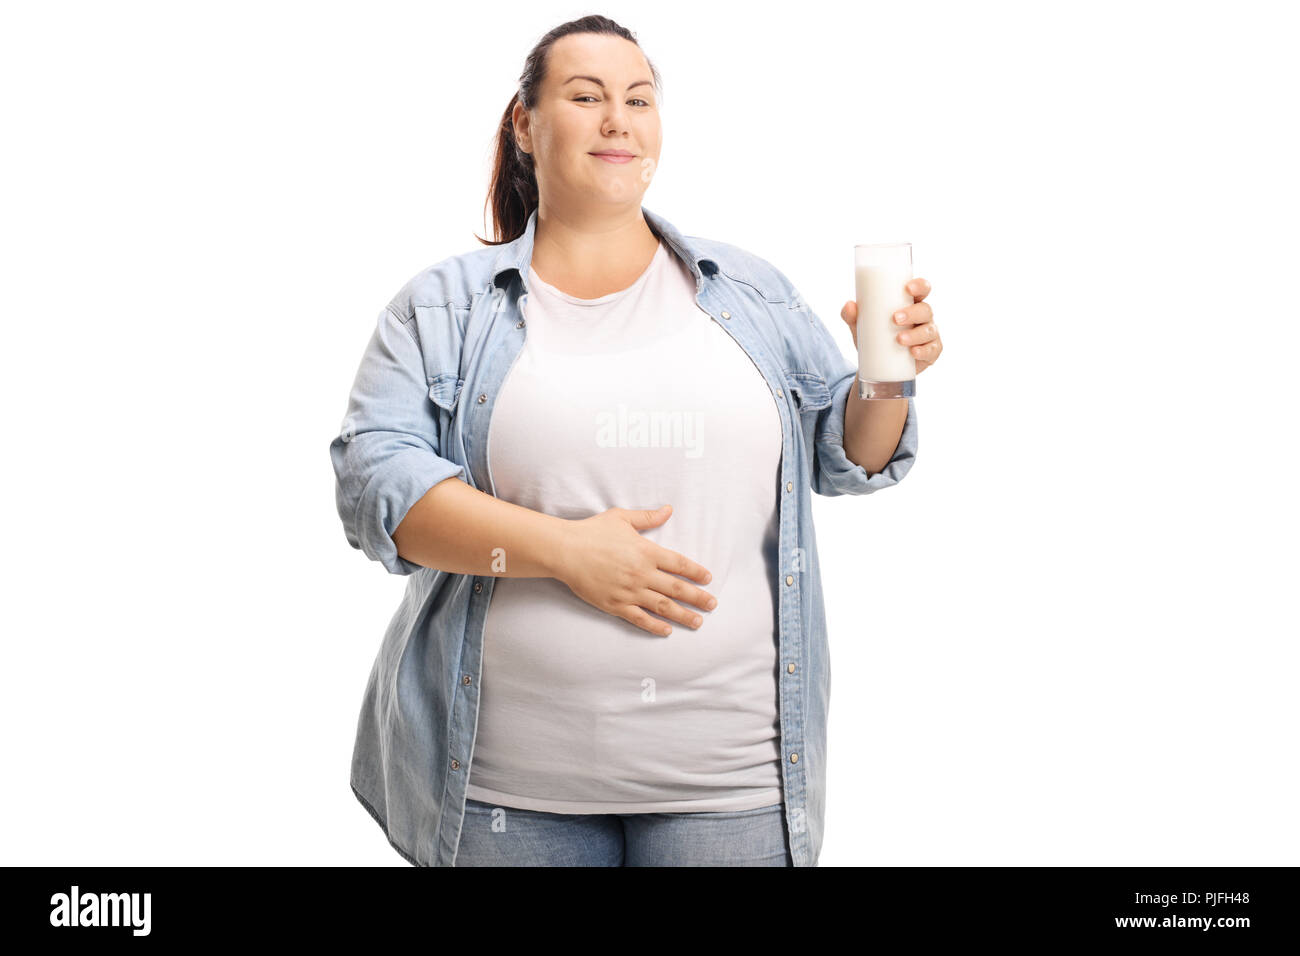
point(509, 836)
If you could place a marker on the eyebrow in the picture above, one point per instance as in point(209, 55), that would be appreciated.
point(602, 85)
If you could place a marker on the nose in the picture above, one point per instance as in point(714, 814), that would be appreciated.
point(615, 119)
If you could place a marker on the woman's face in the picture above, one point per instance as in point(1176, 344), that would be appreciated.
point(576, 118)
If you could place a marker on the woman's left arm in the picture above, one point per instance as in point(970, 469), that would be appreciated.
point(873, 427)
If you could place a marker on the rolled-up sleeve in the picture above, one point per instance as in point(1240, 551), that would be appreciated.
point(386, 456)
point(832, 471)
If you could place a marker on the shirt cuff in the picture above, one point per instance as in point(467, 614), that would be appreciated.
point(389, 495)
point(835, 474)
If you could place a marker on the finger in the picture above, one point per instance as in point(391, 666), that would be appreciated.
point(919, 334)
point(918, 288)
point(682, 591)
point(670, 560)
point(850, 311)
point(664, 606)
point(644, 621)
point(914, 314)
point(929, 351)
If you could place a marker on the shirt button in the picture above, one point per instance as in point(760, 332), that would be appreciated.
point(789, 668)
point(780, 394)
point(455, 764)
point(794, 758)
point(726, 314)
point(478, 586)
point(482, 399)
point(466, 680)
point(789, 486)
point(789, 579)
point(520, 324)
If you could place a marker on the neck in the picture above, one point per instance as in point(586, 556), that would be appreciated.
point(587, 255)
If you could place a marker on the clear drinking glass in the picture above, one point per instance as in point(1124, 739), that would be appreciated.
point(886, 367)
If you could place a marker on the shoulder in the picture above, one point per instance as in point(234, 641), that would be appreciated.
point(747, 268)
point(452, 282)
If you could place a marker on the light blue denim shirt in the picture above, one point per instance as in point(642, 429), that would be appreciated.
point(419, 413)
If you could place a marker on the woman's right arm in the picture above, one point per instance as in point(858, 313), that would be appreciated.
point(604, 559)
point(388, 463)
point(462, 530)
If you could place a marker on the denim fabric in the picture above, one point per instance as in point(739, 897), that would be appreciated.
point(419, 412)
point(505, 836)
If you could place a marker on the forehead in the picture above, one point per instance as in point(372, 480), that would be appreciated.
point(609, 58)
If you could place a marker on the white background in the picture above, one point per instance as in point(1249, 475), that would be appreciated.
point(1064, 638)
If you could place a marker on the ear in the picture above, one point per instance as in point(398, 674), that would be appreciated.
point(520, 120)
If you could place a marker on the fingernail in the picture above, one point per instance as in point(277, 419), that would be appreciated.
point(900, 316)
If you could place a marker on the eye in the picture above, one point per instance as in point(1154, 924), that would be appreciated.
point(588, 96)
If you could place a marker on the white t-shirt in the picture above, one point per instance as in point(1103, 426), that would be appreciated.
point(634, 400)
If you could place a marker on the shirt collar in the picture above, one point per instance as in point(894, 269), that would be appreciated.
point(517, 255)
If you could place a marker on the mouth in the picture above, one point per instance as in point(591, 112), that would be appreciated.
point(614, 156)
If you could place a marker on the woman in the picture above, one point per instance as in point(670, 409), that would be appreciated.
point(649, 413)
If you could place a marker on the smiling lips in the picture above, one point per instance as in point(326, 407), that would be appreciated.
point(615, 156)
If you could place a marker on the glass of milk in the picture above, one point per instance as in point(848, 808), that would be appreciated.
point(886, 367)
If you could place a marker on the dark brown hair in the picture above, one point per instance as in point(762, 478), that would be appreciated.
point(512, 195)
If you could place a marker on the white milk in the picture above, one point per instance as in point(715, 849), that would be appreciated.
point(882, 274)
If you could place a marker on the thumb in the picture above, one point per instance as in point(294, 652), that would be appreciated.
point(648, 519)
point(850, 314)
